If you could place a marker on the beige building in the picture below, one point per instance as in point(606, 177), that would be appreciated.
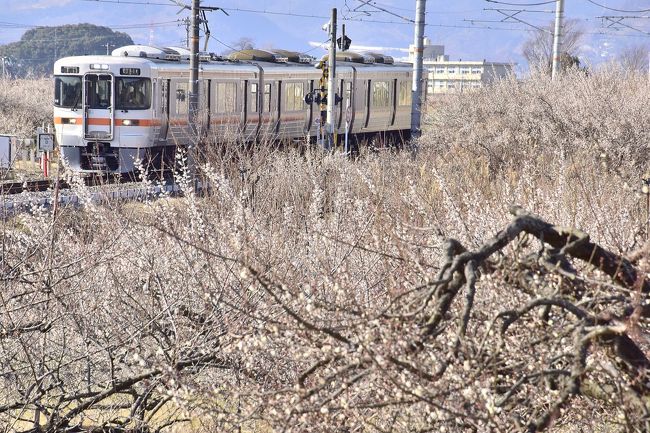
point(446, 76)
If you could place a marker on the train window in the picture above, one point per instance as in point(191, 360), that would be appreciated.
point(133, 93)
point(254, 98)
point(181, 98)
point(348, 93)
point(267, 97)
point(98, 91)
point(404, 93)
point(67, 92)
point(293, 96)
point(226, 97)
point(380, 96)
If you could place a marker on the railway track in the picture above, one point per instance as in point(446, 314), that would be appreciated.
point(9, 188)
point(41, 185)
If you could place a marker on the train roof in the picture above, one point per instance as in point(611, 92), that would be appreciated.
point(177, 59)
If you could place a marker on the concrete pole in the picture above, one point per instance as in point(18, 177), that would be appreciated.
point(418, 67)
point(194, 89)
point(331, 81)
point(557, 37)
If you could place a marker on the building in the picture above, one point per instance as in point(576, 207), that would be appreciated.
point(447, 76)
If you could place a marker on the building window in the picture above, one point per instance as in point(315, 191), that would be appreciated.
point(440, 70)
point(226, 97)
point(464, 70)
point(451, 70)
point(477, 70)
point(293, 96)
point(404, 93)
point(380, 96)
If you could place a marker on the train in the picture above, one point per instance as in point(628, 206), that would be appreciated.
point(114, 112)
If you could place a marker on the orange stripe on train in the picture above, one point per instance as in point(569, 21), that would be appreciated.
point(103, 121)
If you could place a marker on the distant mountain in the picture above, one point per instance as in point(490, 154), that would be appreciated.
point(40, 47)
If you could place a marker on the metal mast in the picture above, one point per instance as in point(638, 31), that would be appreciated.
point(331, 80)
point(418, 66)
point(557, 37)
point(194, 88)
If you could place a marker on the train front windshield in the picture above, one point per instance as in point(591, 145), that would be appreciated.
point(133, 93)
point(67, 91)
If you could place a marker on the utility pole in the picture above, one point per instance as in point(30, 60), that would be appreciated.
point(418, 66)
point(188, 24)
point(557, 37)
point(194, 90)
point(331, 81)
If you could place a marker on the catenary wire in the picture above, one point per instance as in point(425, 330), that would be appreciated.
point(521, 4)
point(618, 10)
point(266, 12)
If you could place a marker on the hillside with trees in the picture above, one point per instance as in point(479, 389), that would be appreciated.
point(40, 47)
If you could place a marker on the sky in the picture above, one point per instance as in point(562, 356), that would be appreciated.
point(469, 29)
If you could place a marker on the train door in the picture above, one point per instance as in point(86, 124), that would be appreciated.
point(310, 115)
point(98, 106)
point(366, 114)
point(278, 108)
point(252, 107)
point(268, 110)
point(164, 109)
point(205, 90)
point(347, 104)
point(393, 103)
point(339, 108)
point(241, 103)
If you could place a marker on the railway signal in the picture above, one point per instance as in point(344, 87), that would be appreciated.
point(344, 43)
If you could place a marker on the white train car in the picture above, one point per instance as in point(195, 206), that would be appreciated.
point(110, 111)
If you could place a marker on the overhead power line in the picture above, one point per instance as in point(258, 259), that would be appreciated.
point(616, 21)
point(510, 15)
point(112, 26)
point(132, 2)
point(374, 5)
point(370, 21)
point(619, 10)
point(548, 2)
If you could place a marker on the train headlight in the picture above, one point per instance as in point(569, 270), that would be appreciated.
point(127, 122)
